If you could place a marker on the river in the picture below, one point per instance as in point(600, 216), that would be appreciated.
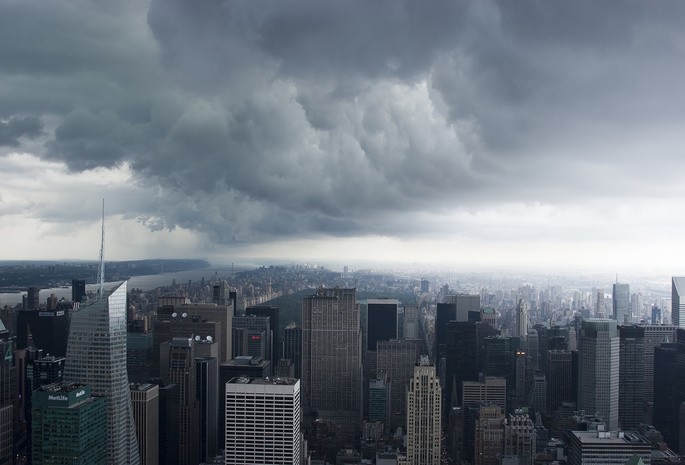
point(145, 283)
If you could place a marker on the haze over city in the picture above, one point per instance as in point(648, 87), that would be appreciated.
point(471, 133)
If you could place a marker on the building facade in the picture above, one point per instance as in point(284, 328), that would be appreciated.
point(423, 415)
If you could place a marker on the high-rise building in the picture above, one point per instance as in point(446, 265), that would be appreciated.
point(181, 370)
point(276, 341)
point(168, 421)
point(631, 380)
point(423, 415)
point(559, 374)
point(139, 353)
point(598, 367)
point(396, 360)
point(145, 404)
point(96, 355)
point(520, 437)
point(445, 313)
point(78, 290)
point(490, 390)
point(620, 301)
point(378, 400)
point(7, 387)
point(666, 404)
point(424, 286)
point(600, 310)
point(257, 330)
point(292, 347)
point(488, 435)
point(521, 330)
point(410, 329)
point(655, 334)
point(262, 421)
point(69, 426)
point(207, 391)
point(464, 303)
point(331, 355)
point(382, 321)
point(48, 329)
point(678, 301)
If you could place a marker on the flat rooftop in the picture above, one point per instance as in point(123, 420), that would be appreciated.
point(264, 381)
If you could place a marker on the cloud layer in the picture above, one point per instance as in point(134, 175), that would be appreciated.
point(256, 121)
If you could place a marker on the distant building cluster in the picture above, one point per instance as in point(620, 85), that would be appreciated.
point(468, 372)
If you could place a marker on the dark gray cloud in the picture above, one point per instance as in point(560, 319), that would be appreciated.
point(17, 128)
point(271, 119)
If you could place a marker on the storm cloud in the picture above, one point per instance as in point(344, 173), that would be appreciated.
point(250, 121)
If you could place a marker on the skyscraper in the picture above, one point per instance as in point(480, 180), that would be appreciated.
point(145, 403)
point(411, 322)
point(622, 310)
point(331, 355)
point(423, 415)
point(678, 301)
point(292, 347)
point(521, 329)
point(631, 380)
point(262, 421)
point(96, 355)
point(382, 321)
point(396, 359)
point(598, 367)
point(272, 313)
point(600, 311)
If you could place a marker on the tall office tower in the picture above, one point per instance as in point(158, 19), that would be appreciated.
point(488, 315)
point(168, 421)
point(259, 335)
point(656, 316)
point(33, 298)
point(598, 367)
point(411, 322)
point(600, 311)
point(263, 421)
point(331, 356)
point(145, 404)
point(378, 400)
point(464, 357)
point(520, 437)
point(607, 448)
point(221, 294)
point(139, 350)
point(423, 415)
point(464, 303)
point(489, 390)
point(637, 304)
point(520, 374)
point(272, 313)
point(620, 301)
point(489, 435)
point(382, 321)
point(207, 391)
point(666, 404)
point(533, 347)
point(631, 379)
point(445, 313)
point(48, 329)
point(559, 374)
point(185, 326)
point(397, 358)
point(168, 306)
point(424, 286)
point(7, 395)
point(292, 347)
point(537, 397)
point(96, 355)
point(182, 371)
point(678, 301)
point(69, 426)
point(498, 358)
point(654, 336)
point(78, 290)
point(521, 329)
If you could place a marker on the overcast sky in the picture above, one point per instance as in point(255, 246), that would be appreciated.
point(498, 133)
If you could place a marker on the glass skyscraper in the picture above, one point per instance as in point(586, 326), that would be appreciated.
point(96, 355)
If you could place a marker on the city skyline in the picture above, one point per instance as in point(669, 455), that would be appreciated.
point(489, 133)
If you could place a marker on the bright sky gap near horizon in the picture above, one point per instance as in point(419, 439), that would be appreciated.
point(491, 133)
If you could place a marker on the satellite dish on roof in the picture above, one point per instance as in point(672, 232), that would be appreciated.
point(174, 315)
point(197, 338)
point(209, 338)
point(184, 315)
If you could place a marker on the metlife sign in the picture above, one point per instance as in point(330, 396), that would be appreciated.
point(63, 398)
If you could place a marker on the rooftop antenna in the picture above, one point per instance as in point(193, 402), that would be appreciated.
point(101, 269)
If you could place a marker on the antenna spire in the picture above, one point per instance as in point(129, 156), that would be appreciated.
point(101, 269)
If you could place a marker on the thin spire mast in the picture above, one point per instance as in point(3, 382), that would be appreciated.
point(101, 269)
